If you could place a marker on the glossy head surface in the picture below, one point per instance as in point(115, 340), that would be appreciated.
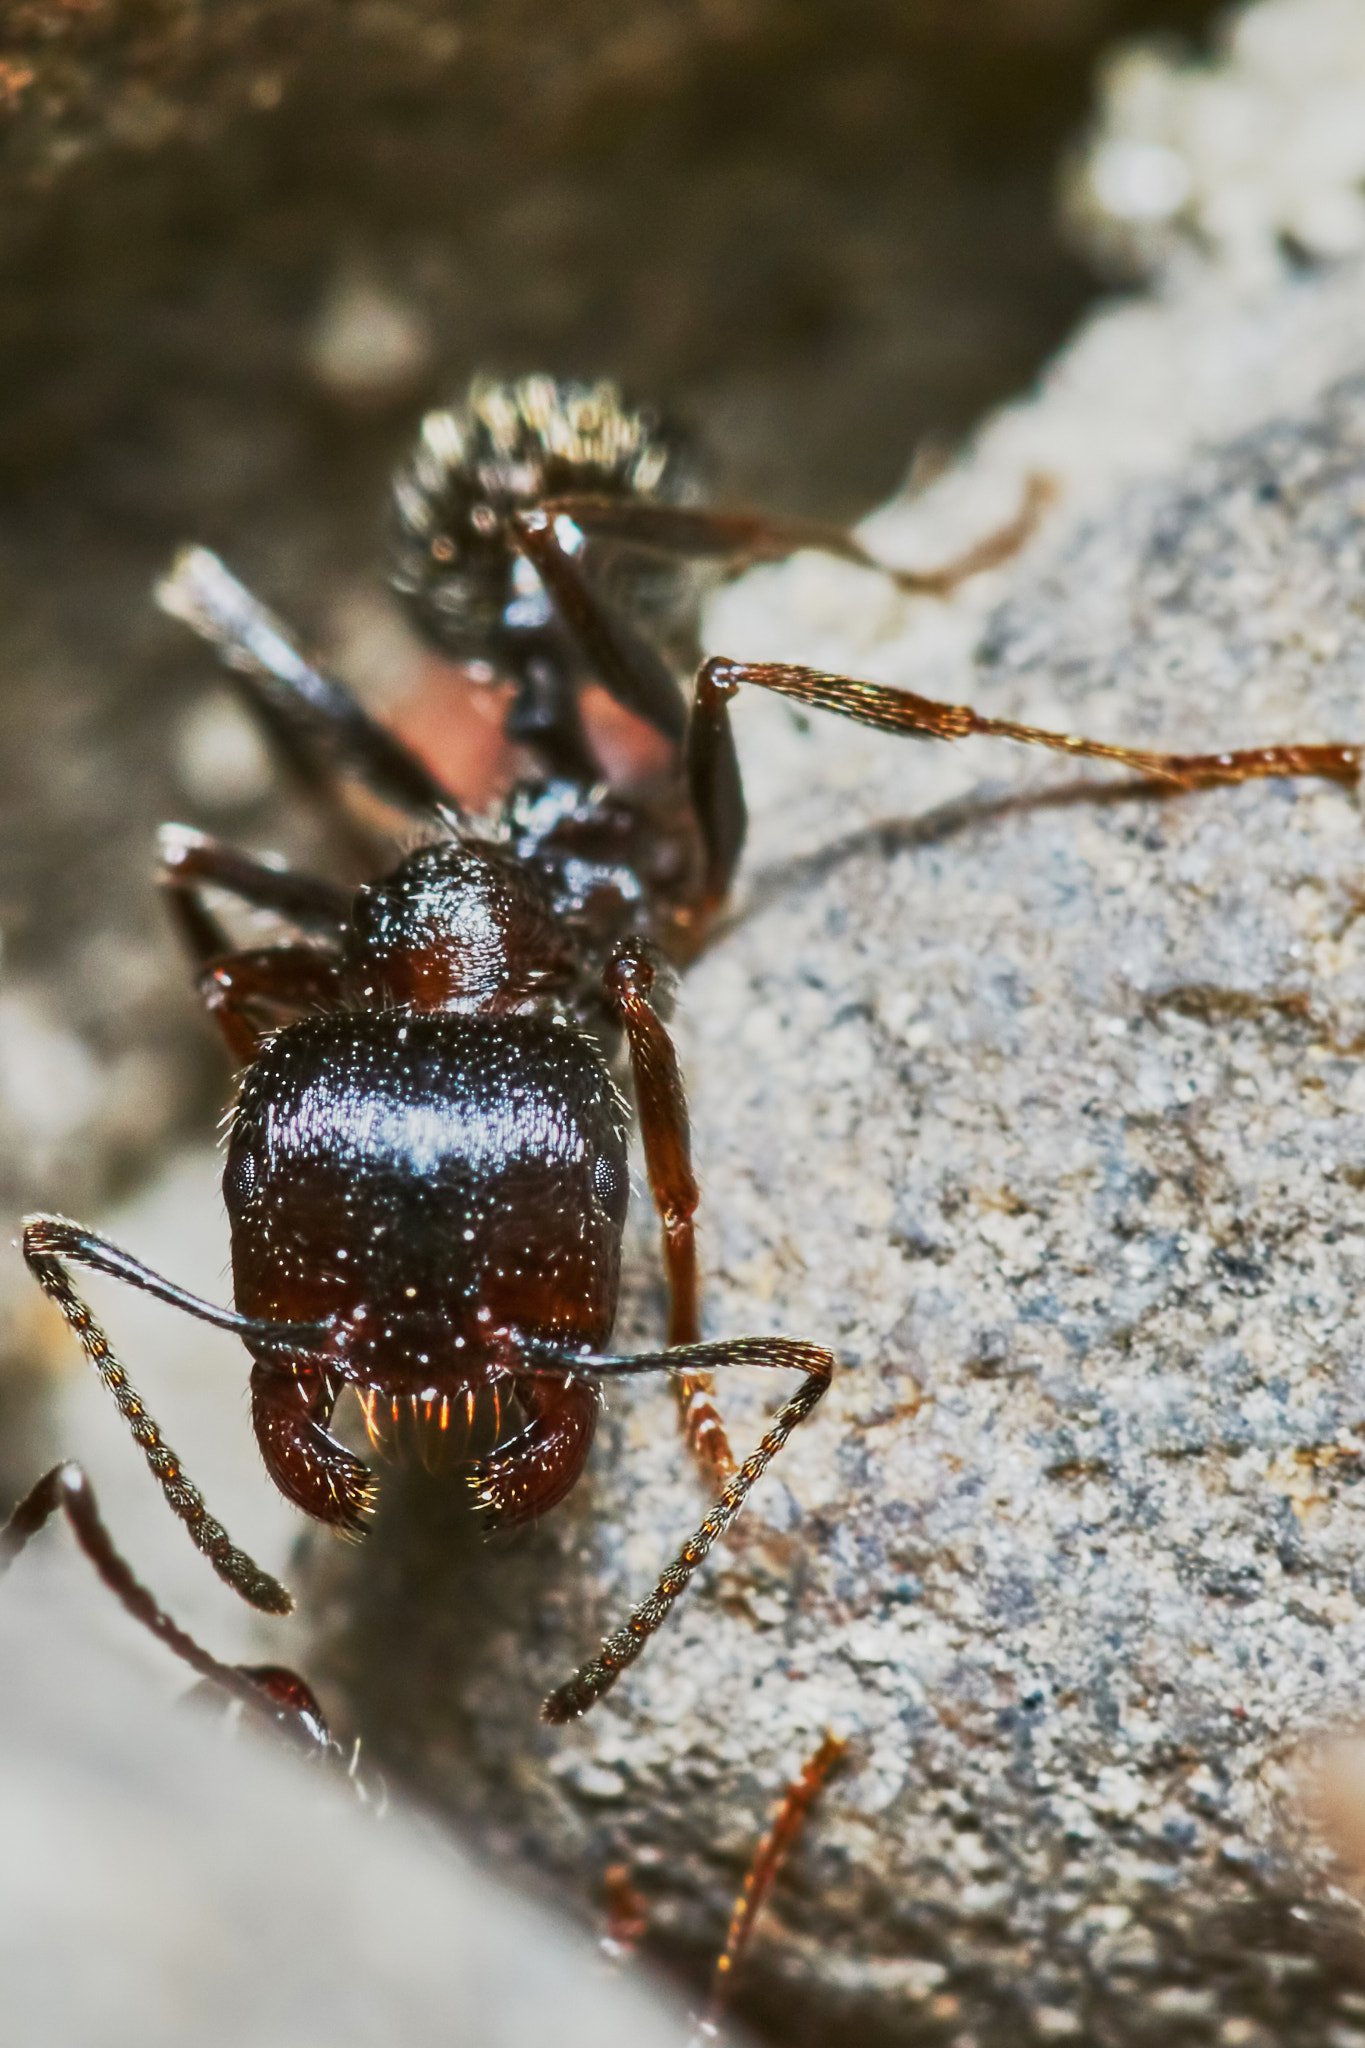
point(439, 1184)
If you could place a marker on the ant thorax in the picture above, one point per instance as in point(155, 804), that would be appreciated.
point(463, 927)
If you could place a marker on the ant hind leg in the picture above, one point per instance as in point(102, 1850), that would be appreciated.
point(316, 727)
point(742, 538)
point(892, 710)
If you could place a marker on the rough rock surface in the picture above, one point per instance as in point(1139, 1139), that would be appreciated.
point(1040, 1099)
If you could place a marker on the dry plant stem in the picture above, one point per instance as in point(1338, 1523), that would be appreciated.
point(620, 1649)
point(41, 1236)
point(759, 1879)
point(887, 709)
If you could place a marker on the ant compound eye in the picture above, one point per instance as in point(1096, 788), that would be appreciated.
point(240, 1181)
point(610, 1185)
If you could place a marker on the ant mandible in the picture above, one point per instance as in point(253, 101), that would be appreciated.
point(426, 1174)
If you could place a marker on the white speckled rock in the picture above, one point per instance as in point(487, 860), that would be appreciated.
point(1041, 1101)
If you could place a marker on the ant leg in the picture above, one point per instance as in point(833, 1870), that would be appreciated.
point(622, 660)
point(315, 725)
point(620, 1649)
point(191, 861)
point(716, 790)
point(627, 1913)
point(745, 537)
point(269, 1691)
point(639, 678)
point(47, 1241)
point(771, 1853)
point(900, 711)
point(274, 977)
point(668, 1161)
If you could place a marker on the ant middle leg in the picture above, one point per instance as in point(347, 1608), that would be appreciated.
point(623, 1646)
point(668, 1160)
point(192, 862)
point(237, 984)
point(48, 1240)
point(888, 709)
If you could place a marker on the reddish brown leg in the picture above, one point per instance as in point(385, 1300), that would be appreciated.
point(627, 1913)
point(238, 987)
point(623, 661)
point(270, 1693)
point(752, 537)
point(771, 1853)
point(638, 678)
point(66, 1488)
point(620, 1649)
point(901, 711)
point(190, 862)
point(47, 1241)
point(668, 1160)
point(716, 790)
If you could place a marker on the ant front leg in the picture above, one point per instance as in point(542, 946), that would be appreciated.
point(668, 1160)
point(271, 1693)
point(892, 710)
point(269, 978)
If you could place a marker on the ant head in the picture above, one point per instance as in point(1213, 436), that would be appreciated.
point(461, 927)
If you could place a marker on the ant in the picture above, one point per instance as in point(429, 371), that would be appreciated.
point(426, 1175)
